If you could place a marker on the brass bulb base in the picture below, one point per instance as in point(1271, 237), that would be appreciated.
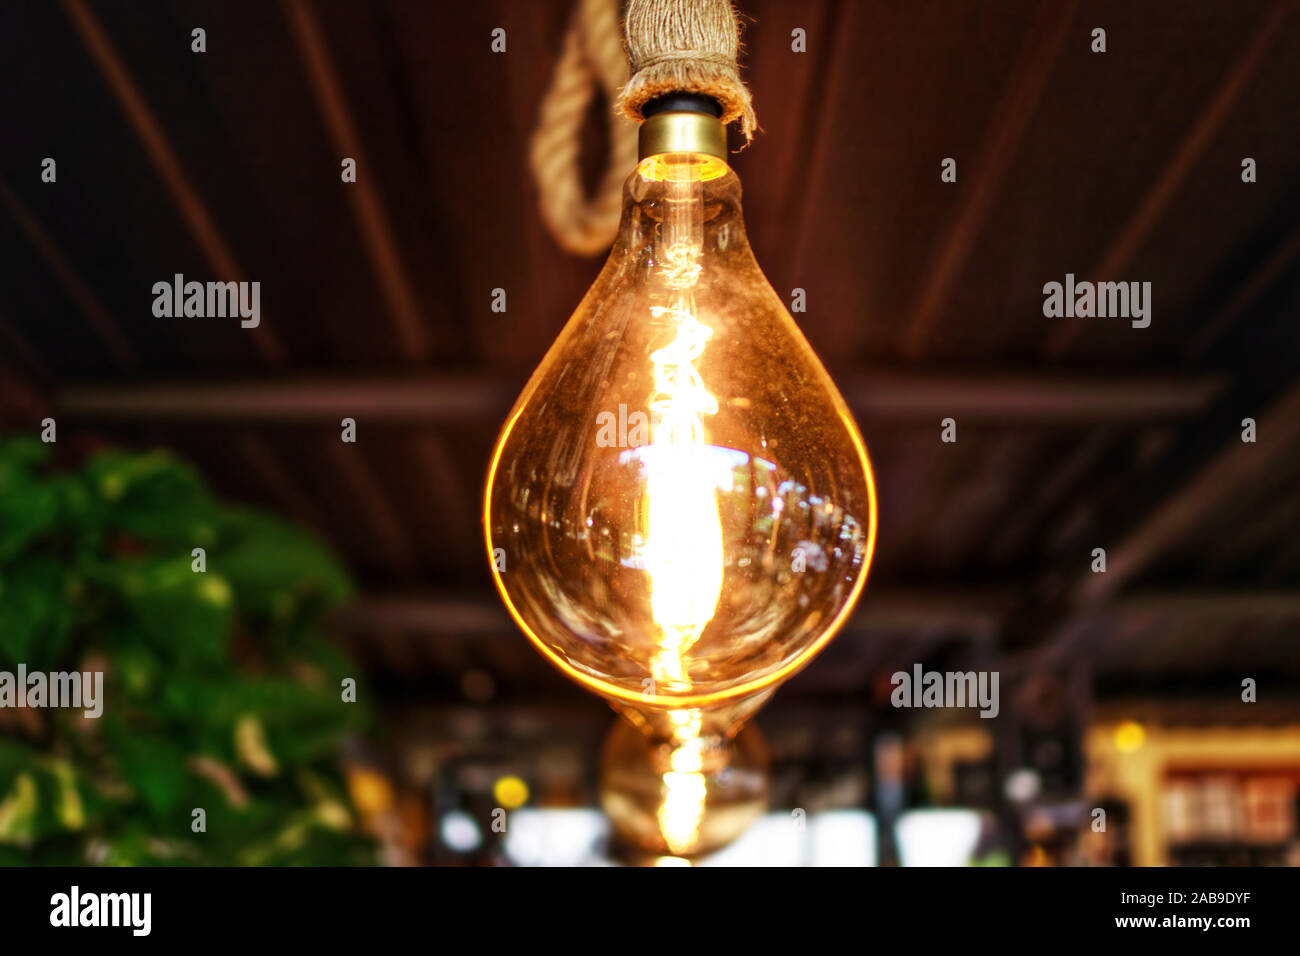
point(682, 132)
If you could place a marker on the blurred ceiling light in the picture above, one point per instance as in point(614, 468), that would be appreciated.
point(460, 832)
point(772, 840)
point(937, 837)
point(570, 837)
point(829, 838)
point(370, 791)
point(1129, 736)
point(1022, 785)
point(510, 792)
point(556, 837)
point(842, 838)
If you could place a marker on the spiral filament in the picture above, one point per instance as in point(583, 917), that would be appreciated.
point(683, 543)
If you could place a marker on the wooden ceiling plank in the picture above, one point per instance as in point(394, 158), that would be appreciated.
point(1144, 218)
point(18, 347)
point(374, 503)
point(1235, 468)
point(269, 469)
point(372, 220)
point(803, 185)
point(156, 144)
point(1269, 605)
point(1260, 279)
point(91, 308)
point(457, 399)
point(978, 614)
point(431, 455)
point(1006, 129)
point(1096, 633)
point(1067, 473)
point(1012, 397)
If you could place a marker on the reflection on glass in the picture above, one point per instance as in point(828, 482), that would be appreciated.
point(684, 568)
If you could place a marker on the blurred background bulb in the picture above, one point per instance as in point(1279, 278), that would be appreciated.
point(680, 500)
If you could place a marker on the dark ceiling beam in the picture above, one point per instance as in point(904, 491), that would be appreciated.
point(1233, 470)
point(1140, 225)
point(429, 399)
point(1055, 484)
point(380, 242)
point(1007, 127)
point(428, 613)
point(367, 489)
point(1027, 398)
point(1263, 276)
point(91, 308)
point(1238, 605)
point(803, 176)
point(1091, 632)
point(430, 453)
point(464, 398)
point(21, 406)
point(152, 137)
point(977, 613)
point(14, 346)
point(924, 615)
point(269, 468)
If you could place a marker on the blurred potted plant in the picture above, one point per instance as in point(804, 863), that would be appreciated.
point(221, 693)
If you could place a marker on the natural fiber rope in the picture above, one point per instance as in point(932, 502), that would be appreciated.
point(695, 56)
point(673, 46)
point(593, 53)
point(686, 45)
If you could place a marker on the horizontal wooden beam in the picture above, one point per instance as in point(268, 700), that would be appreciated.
point(977, 613)
point(460, 398)
point(1234, 470)
point(1237, 605)
point(981, 611)
point(1027, 398)
point(1090, 630)
point(288, 401)
point(902, 624)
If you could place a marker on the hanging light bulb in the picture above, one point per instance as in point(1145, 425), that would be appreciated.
point(680, 508)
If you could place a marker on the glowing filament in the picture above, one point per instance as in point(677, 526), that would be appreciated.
point(683, 546)
point(685, 793)
point(683, 542)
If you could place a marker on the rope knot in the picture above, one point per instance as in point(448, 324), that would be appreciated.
point(686, 46)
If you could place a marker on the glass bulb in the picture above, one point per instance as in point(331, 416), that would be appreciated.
point(680, 509)
point(660, 808)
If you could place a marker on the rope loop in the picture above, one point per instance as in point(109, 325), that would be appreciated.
point(592, 57)
point(673, 46)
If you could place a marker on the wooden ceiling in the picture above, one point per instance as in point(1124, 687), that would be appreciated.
point(924, 297)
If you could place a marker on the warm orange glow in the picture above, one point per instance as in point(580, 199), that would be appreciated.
point(370, 791)
point(609, 689)
point(685, 793)
point(666, 167)
point(707, 513)
point(682, 810)
point(683, 552)
point(688, 560)
point(685, 723)
point(1129, 736)
point(683, 539)
point(510, 792)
